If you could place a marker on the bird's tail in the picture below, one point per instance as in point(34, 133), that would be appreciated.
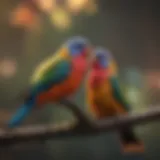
point(129, 141)
point(20, 115)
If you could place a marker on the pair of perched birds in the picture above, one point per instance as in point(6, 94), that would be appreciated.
point(62, 74)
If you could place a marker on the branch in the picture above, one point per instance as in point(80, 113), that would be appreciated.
point(25, 134)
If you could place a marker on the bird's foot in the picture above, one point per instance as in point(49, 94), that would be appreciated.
point(133, 148)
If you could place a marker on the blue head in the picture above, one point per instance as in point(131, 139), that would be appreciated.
point(79, 46)
point(102, 58)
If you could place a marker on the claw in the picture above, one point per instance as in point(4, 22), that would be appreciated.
point(133, 148)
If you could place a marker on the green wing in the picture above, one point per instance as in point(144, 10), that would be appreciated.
point(118, 93)
point(52, 76)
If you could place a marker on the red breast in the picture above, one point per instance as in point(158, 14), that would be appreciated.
point(67, 87)
point(97, 76)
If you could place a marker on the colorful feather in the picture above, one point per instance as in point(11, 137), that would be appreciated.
point(57, 77)
point(105, 97)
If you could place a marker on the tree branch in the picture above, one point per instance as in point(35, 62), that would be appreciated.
point(25, 134)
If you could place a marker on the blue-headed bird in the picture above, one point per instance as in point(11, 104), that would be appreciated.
point(105, 98)
point(56, 78)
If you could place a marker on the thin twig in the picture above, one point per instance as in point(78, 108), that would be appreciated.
point(25, 134)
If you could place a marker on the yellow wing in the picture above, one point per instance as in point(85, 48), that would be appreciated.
point(48, 63)
point(113, 68)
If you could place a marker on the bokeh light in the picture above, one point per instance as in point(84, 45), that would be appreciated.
point(76, 5)
point(153, 79)
point(91, 7)
point(132, 95)
point(61, 18)
point(24, 16)
point(8, 68)
point(46, 5)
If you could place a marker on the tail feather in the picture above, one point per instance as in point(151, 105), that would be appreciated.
point(129, 141)
point(20, 115)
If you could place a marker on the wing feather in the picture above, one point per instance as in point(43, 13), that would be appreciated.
point(117, 93)
point(113, 68)
point(53, 75)
point(48, 64)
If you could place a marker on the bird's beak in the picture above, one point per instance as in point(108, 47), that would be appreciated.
point(90, 49)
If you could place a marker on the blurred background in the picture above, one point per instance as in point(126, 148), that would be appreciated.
point(30, 30)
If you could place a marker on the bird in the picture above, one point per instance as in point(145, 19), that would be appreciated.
point(105, 97)
point(56, 77)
